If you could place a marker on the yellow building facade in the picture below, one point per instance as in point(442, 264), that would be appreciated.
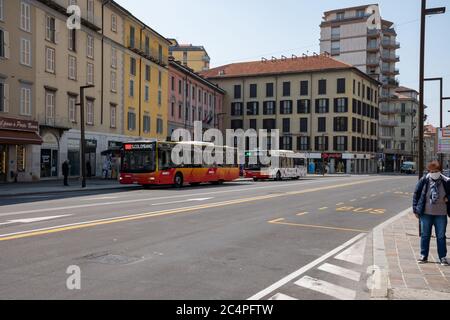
point(194, 57)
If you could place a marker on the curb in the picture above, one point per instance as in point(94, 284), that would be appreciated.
point(66, 191)
point(381, 289)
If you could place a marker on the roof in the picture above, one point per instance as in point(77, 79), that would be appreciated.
point(350, 8)
point(307, 64)
point(405, 89)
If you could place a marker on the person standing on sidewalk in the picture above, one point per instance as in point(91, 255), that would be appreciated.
point(431, 206)
point(65, 172)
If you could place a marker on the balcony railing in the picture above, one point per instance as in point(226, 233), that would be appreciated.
point(391, 83)
point(390, 57)
point(373, 61)
point(55, 122)
point(373, 46)
point(373, 32)
point(335, 52)
point(335, 36)
point(388, 123)
point(388, 109)
point(390, 44)
point(391, 71)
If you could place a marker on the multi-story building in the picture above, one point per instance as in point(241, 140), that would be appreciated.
point(321, 106)
point(192, 98)
point(430, 144)
point(194, 57)
point(359, 36)
point(145, 80)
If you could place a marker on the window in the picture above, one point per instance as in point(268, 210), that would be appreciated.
point(160, 55)
point(147, 93)
point(25, 101)
point(113, 57)
point(113, 81)
point(321, 143)
point(360, 13)
point(403, 108)
point(112, 115)
point(341, 105)
point(340, 124)
point(131, 88)
point(303, 143)
point(322, 124)
point(131, 121)
point(253, 91)
point(252, 108)
point(72, 104)
point(25, 17)
point(340, 85)
point(133, 66)
point(25, 52)
point(3, 97)
point(269, 107)
point(72, 39)
point(159, 126)
point(90, 73)
point(159, 98)
point(147, 45)
point(304, 88)
point(146, 124)
point(72, 68)
point(50, 60)
point(132, 37)
point(172, 83)
point(269, 90)
point(269, 124)
point(335, 48)
point(90, 47)
point(236, 109)
point(159, 79)
point(403, 119)
point(1, 10)
point(253, 124)
point(148, 73)
point(90, 112)
point(286, 89)
point(237, 92)
point(322, 87)
point(180, 111)
point(286, 107)
point(50, 29)
point(303, 125)
point(322, 105)
point(49, 107)
point(286, 143)
point(113, 23)
point(340, 16)
point(286, 125)
point(303, 106)
point(340, 143)
point(4, 44)
point(90, 10)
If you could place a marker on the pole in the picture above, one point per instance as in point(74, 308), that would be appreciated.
point(441, 125)
point(83, 140)
point(421, 88)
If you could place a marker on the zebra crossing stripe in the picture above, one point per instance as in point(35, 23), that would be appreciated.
point(354, 254)
point(339, 271)
point(326, 288)
point(280, 296)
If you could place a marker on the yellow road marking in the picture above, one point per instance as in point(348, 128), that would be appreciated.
point(340, 204)
point(324, 208)
point(302, 214)
point(279, 221)
point(354, 210)
point(82, 225)
point(353, 200)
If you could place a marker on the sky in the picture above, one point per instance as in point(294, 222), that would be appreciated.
point(245, 30)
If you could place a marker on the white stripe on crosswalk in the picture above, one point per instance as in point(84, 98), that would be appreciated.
point(327, 288)
point(339, 271)
point(283, 297)
point(354, 254)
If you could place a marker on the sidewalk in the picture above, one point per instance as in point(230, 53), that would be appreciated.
point(56, 186)
point(407, 280)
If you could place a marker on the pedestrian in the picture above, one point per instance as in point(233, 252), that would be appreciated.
point(89, 169)
point(431, 206)
point(65, 172)
point(106, 168)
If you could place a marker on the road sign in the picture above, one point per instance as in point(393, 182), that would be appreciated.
point(444, 141)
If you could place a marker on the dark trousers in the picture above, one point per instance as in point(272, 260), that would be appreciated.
point(440, 226)
point(65, 180)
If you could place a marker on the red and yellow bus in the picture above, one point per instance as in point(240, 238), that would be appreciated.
point(150, 163)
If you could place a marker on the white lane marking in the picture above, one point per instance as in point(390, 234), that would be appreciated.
point(31, 220)
point(99, 198)
point(171, 197)
point(354, 254)
point(327, 288)
point(339, 271)
point(304, 269)
point(183, 201)
point(282, 297)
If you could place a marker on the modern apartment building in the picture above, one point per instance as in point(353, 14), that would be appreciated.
point(359, 36)
point(321, 106)
point(43, 64)
point(194, 57)
point(192, 98)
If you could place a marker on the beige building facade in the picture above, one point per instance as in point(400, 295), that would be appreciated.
point(192, 56)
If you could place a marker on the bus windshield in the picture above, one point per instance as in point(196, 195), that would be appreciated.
point(139, 158)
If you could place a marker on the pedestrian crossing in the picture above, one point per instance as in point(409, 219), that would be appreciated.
point(334, 275)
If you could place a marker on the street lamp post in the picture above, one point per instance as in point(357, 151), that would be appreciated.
point(83, 139)
point(424, 13)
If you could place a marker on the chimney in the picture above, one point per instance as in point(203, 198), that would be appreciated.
point(294, 57)
point(263, 60)
point(274, 59)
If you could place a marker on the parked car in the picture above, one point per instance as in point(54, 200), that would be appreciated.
point(408, 168)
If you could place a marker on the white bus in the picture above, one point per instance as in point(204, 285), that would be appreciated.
point(291, 165)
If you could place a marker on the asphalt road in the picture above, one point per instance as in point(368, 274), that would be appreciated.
point(235, 241)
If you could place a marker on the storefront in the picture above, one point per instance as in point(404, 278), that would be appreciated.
point(49, 156)
point(334, 163)
point(19, 141)
point(91, 157)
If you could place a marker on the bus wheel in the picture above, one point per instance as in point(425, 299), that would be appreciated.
point(178, 182)
point(278, 178)
point(255, 179)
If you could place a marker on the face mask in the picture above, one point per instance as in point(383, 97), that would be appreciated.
point(435, 176)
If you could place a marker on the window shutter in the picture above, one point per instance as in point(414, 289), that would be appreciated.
point(335, 105)
point(6, 97)
point(317, 105)
point(346, 144)
point(328, 105)
point(56, 31)
point(326, 143)
point(6, 44)
point(335, 143)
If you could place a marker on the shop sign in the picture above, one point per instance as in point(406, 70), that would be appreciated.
point(19, 125)
point(332, 155)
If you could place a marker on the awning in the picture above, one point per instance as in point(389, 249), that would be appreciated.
point(19, 137)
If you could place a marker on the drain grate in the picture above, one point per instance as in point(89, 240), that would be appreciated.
point(111, 259)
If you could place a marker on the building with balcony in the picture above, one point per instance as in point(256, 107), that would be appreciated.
point(192, 98)
point(321, 106)
point(194, 57)
point(361, 37)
